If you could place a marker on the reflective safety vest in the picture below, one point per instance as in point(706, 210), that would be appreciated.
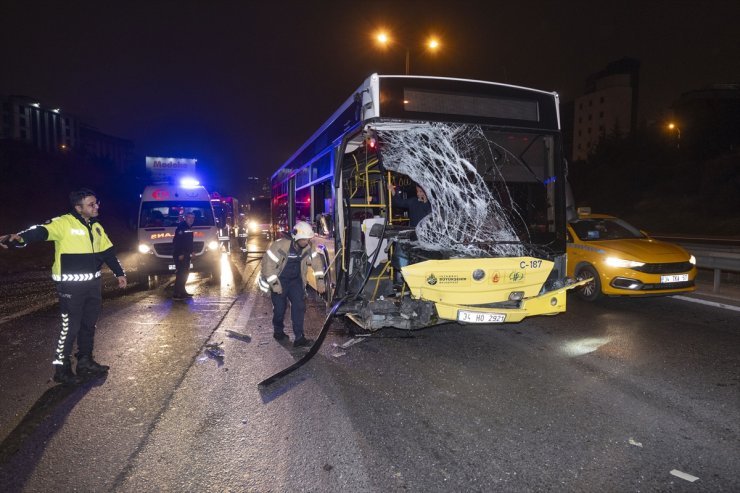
point(80, 247)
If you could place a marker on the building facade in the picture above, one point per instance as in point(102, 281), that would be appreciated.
point(608, 106)
point(50, 130)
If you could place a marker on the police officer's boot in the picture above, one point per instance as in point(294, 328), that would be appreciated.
point(88, 367)
point(63, 374)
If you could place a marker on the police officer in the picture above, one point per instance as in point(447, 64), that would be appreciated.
point(182, 249)
point(284, 268)
point(81, 247)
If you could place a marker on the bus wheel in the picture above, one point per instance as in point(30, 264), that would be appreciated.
point(590, 291)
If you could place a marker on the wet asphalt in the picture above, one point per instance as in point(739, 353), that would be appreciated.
point(610, 396)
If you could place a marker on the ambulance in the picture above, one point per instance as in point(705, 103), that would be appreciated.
point(162, 208)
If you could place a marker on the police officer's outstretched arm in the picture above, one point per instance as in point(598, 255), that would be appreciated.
point(23, 238)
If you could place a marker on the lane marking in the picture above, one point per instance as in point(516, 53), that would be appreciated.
point(683, 475)
point(707, 302)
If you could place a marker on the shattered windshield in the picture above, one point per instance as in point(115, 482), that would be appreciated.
point(491, 191)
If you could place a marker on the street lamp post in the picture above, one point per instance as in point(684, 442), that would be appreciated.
point(383, 39)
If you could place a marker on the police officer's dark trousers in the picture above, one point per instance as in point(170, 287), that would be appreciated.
point(79, 303)
point(295, 291)
point(181, 276)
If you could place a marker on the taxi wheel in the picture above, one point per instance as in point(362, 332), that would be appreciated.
point(592, 290)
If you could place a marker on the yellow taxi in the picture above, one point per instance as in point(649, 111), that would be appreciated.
point(624, 261)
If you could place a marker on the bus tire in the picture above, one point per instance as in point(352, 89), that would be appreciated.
point(592, 290)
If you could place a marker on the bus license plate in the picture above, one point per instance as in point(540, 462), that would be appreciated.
point(674, 278)
point(480, 317)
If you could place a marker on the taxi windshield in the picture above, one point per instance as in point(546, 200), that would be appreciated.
point(605, 229)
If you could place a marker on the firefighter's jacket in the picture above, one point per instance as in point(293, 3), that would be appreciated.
point(80, 248)
point(275, 259)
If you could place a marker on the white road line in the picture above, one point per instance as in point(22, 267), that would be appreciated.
point(707, 302)
point(683, 475)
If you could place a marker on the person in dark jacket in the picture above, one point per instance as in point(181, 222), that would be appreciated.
point(81, 247)
point(418, 207)
point(182, 249)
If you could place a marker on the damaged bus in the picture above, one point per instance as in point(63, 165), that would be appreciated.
point(489, 158)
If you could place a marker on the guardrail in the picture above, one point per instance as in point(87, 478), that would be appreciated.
point(719, 257)
point(717, 261)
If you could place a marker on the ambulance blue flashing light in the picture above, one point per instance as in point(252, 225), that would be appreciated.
point(189, 183)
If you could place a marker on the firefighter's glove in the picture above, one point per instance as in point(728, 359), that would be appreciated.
point(320, 286)
point(276, 288)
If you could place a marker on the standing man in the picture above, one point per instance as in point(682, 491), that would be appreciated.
point(284, 268)
point(418, 206)
point(80, 248)
point(182, 249)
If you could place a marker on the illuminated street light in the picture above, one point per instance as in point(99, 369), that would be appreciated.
point(385, 40)
point(672, 126)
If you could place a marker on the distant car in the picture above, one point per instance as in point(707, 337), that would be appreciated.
point(624, 261)
point(258, 225)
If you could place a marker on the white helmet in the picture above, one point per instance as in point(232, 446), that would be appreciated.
point(302, 231)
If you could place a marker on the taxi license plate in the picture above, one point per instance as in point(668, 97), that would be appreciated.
point(674, 278)
point(480, 317)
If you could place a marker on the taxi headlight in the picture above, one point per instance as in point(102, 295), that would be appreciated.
point(619, 262)
point(692, 260)
point(213, 245)
point(144, 248)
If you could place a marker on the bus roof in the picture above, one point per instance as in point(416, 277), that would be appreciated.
point(368, 94)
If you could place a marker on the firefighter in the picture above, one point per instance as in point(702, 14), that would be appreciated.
point(284, 268)
point(81, 247)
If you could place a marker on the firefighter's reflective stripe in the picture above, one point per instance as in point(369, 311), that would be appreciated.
point(89, 276)
point(272, 279)
point(272, 256)
point(318, 273)
point(264, 287)
point(315, 254)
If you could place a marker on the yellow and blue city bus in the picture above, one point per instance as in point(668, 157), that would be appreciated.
point(489, 158)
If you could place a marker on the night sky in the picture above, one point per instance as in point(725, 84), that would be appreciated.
point(241, 85)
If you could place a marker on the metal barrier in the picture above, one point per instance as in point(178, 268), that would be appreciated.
point(718, 256)
point(717, 261)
